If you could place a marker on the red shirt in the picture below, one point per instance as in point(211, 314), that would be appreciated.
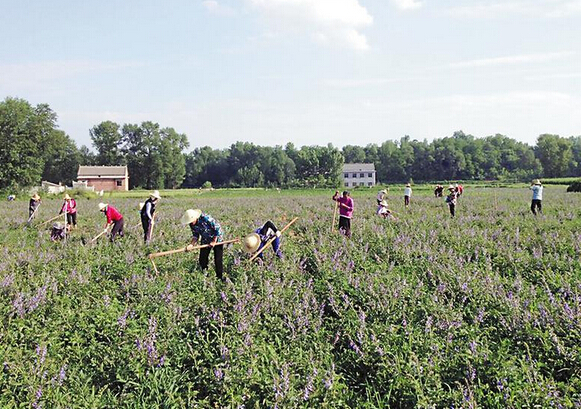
point(112, 214)
point(69, 206)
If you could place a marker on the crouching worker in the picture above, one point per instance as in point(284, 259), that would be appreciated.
point(384, 212)
point(206, 230)
point(59, 231)
point(113, 217)
point(257, 240)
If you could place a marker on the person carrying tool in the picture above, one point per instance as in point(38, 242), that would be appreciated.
point(70, 208)
point(452, 199)
point(147, 214)
point(536, 204)
point(257, 240)
point(113, 217)
point(206, 230)
point(33, 206)
point(345, 203)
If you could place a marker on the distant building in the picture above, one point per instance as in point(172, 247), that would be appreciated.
point(358, 174)
point(51, 188)
point(104, 177)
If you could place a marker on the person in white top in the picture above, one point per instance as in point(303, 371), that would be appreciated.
point(407, 194)
point(537, 189)
point(381, 196)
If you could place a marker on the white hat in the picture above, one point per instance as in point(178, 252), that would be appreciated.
point(408, 185)
point(190, 216)
point(141, 204)
point(58, 226)
point(67, 197)
point(102, 206)
point(251, 242)
point(383, 191)
point(536, 182)
point(155, 194)
point(451, 187)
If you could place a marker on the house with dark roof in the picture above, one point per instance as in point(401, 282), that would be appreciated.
point(104, 177)
point(359, 174)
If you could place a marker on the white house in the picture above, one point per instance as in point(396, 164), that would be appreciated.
point(358, 174)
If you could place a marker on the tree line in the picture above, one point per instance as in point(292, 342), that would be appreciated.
point(33, 148)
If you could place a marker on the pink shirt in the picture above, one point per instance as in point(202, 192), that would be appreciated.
point(345, 211)
point(112, 214)
point(69, 206)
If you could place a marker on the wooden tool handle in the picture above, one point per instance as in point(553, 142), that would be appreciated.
point(273, 239)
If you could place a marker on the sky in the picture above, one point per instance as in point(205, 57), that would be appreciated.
point(310, 72)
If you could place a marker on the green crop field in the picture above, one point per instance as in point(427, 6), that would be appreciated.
point(483, 310)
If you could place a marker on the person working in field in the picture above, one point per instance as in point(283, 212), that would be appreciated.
point(407, 194)
point(147, 213)
point(33, 206)
point(206, 230)
point(59, 231)
point(257, 240)
point(345, 203)
point(536, 204)
point(70, 208)
point(459, 189)
point(381, 196)
point(438, 191)
point(452, 199)
point(383, 211)
point(113, 217)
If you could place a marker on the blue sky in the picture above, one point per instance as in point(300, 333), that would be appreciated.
point(301, 71)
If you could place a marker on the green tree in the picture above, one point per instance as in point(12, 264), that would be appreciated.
point(173, 158)
point(555, 155)
point(107, 140)
point(61, 158)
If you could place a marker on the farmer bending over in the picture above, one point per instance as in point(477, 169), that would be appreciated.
point(345, 204)
point(257, 240)
point(33, 205)
point(206, 230)
point(113, 217)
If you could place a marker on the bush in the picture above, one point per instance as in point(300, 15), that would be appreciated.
point(574, 187)
point(207, 185)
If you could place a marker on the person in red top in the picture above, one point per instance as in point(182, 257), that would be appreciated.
point(345, 204)
point(70, 208)
point(113, 217)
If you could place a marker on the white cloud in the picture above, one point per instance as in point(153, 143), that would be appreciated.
point(357, 83)
point(332, 22)
point(532, 8)
point(513, 59)
point(407, 4)
point(216, 8)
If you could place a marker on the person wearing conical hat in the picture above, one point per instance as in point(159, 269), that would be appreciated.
point(438, 191)
point(113, 217)
point(381, 195)
point(59, 231)
point(257, 240)
point(407, 194)
point(70, 208)
point(33, 205)
point(452, 199)
point(206, 230)
point(536, 204)
point(147, 214)
point(383, 211)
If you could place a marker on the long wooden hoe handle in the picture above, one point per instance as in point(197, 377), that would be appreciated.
point(33, 213)
point(50, 220)
point(334, 217)
point(98, 235)
point(273, 239)
point(184, 249)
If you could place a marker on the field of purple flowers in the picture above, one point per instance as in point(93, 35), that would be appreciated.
point(483, 310)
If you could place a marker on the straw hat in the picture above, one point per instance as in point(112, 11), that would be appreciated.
point(102, 206)
point(58, 226)
point(251, 242)
point(408, 185)
point(35, 196)
point(383, 191)
point(451, 187)
point(190, 216)
point(67, 197)
point(155, 194)
point(141, 204)
point(536, 182)
point(383, 203)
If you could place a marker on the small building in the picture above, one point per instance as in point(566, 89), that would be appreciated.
point(358, 174)
point(104, 177)
point(51, 188)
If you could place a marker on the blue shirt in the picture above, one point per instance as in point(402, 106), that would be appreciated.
point(537, 192)
point(206, 229)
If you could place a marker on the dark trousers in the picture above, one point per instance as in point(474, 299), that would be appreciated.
point(406, 200)
point(452, 209)
point(218, 259)
point(345, 226)
point(536, 205)
point(72, 219)
point(117, 229)
point(146, 223)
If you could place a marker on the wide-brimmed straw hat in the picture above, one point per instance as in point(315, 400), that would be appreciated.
point(35, 196)
point(190, 216)
point(58, 226)
point(451, 187)
point(102, 206)
point(251, 242)
point(155, 194)
point(67, 197)
point(408, 185)
point(537, 182)
point(383, 191)
point(141, 204)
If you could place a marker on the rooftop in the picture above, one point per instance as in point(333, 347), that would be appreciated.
point(102, 171)
point(359, 167)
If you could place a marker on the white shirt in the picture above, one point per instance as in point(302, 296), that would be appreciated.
point(407, 191)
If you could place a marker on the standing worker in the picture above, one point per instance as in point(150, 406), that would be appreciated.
point(33, 206)
point(407, 194)
point(257, 240)
point(206, 230)
point(345, 204)
point(452, 199)
point(113, 217)
point(537, 189)
point(147, 214)
point(70, 208)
